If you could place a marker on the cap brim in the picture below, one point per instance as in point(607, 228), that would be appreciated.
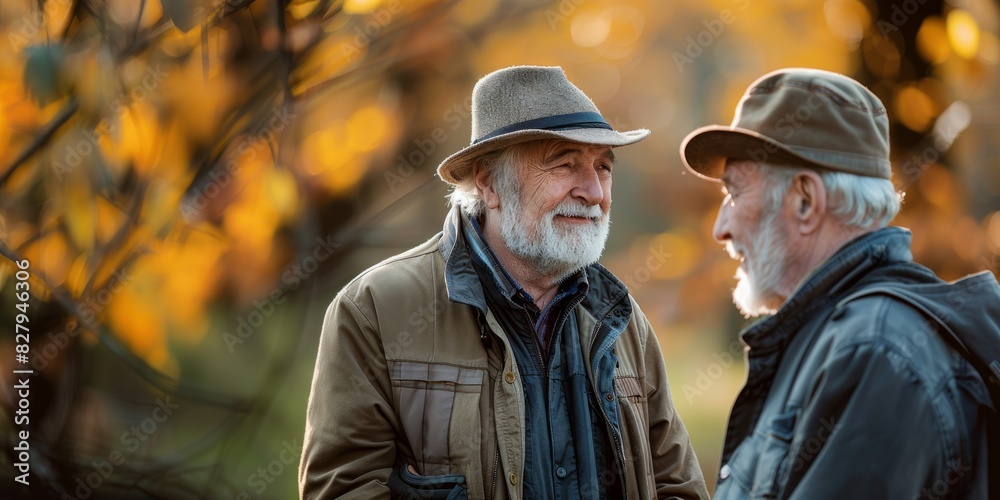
point(705, 150)
point(455, 168)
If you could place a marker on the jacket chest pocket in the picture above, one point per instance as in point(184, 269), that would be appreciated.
point(634, 408)
point(439, 412)
point(759, 464)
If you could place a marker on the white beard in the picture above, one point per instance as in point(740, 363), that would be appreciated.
point(758, 285)
point(552, 251)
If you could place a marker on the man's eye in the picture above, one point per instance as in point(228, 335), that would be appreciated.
point(605, 167)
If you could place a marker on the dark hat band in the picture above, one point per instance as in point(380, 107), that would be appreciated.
point(584, 119)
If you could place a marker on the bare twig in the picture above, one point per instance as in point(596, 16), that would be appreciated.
point(42, 138)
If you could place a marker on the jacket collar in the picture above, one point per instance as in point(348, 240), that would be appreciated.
point(459, 276)
point(483, 253)
point(846, 267)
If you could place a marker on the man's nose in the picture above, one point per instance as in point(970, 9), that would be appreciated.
point(720, 231)
point(588, 187)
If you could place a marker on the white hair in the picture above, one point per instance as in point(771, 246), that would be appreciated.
point(854, 200)
point(465, 196)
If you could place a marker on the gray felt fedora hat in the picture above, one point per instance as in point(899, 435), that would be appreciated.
point(525, 103)
point(798, 117)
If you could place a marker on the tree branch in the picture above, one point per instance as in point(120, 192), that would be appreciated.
point(41, 139)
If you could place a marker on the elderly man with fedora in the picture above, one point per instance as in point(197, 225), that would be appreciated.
point(499, 359)
point(866, 379)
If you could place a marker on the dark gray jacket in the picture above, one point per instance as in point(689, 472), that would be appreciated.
point(853, 393)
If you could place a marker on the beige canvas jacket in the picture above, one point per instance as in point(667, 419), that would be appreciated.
point(403, 375)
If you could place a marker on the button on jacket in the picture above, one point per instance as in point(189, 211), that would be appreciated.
point(414, 368)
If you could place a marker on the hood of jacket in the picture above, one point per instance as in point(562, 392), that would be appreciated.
point(968, 310)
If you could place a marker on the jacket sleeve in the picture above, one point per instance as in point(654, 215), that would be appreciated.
point(349, 445)
point(677, 473)
point(866, 428)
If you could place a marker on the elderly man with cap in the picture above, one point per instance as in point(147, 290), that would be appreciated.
point(499, 359)
point(866, 380)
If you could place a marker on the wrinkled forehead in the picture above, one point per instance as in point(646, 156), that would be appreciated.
point(550, 149)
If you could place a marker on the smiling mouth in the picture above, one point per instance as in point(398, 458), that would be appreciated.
point(739, 257)
point(576, 219)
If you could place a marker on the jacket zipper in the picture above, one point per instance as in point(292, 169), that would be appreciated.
point(538, 349)
point(485, 336)
point(621, 455)
point(559, 324)
point(496, 465)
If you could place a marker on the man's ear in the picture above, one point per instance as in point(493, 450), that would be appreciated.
point(484, 184)
point(807, 196)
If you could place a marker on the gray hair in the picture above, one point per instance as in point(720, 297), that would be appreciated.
point(497, 164)
point(854, 200)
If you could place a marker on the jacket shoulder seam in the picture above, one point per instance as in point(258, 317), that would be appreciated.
point(396, 259)
point(359, 311)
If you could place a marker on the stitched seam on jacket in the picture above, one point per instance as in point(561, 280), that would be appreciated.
point(879, 341)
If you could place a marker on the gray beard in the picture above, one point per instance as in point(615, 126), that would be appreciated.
point(759, 283)
point(551, 251)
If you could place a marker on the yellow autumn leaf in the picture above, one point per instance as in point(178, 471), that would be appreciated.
point(367, 128)
point(80, 214)
point(282, 192)
point(109, 219)
point(135, 319)
point(133, 138)
point(77, 277)
point(50, 257)
point(361, 6)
